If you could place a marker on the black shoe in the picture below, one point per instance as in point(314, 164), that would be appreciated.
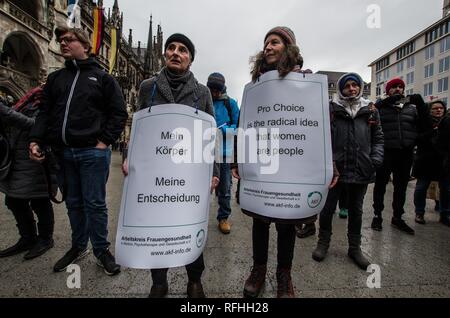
point(320, 252)
point(419, 219)
point(305, 231)
point(195, 290)
point(159, 290)
point(358, 258)
point(108, 262)
point(444, 220)
point(402, 226)
point(73, 255)
point(42, 246)
point(377, 223)
point(24, 244)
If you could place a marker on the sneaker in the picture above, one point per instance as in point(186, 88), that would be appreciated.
point(195, 290)
point(402, 226)
point(377, 223)
point(224, 226)
point(419, 219)
point(305, 231)
point(343, 213)
point(42, 246)
point(73, 255)
point(21, 246)
point(255, 281)
point(108, 262)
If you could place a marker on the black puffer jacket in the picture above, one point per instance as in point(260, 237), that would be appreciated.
point(399, 121)
point(357, 143)
point(444, 144)
point(26, 178)
point(83, 105)
point(428, 159)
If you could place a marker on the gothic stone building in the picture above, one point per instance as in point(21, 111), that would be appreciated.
point(29, 52)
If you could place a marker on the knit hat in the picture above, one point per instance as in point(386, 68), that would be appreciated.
point(393, 82)
point(216, 81)
point(284, 32)
point(178, 37)
point(81, 34)
point(349, 77)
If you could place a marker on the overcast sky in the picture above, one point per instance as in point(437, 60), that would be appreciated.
point(332, 34)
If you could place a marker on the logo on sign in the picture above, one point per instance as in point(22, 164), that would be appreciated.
point(314, 199)
point(200, 238)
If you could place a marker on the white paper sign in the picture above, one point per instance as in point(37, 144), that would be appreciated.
point(285, 136)
point(165, 202)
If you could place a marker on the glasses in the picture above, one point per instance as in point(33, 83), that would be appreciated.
point(67, 40)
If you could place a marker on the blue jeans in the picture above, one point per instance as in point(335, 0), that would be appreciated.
point(224, 192)
point(86, 172)
point(420, 194)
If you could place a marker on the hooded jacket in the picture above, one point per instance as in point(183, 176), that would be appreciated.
point(357, 138)
point(82, 105)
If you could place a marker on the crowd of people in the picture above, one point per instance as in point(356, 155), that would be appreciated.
point(80, 111)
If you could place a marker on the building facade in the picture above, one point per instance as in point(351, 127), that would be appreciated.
point(422, 61)
point(29, 52)
point(333, 78)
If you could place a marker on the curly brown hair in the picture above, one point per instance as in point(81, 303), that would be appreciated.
point(289, 59)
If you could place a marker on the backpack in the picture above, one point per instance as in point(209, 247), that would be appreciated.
point(227, 104)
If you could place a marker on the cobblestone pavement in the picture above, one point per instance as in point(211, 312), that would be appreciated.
point(411, 266)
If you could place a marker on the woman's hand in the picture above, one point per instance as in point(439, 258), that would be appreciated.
point(235, 173)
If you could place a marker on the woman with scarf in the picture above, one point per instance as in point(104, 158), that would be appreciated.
point(280, 53)
point(176, 84)
point(26, 186)
point(358, 148)
point(428, 161)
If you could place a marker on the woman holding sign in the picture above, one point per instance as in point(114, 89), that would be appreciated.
point(280, 53)
point(176, 84)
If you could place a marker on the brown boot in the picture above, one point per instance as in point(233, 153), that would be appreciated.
point(255, 282)
point(285, 288)
point(195, 290)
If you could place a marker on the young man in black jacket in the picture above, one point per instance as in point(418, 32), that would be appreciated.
point(399, 118)
point(83, 113)
point(357, 141)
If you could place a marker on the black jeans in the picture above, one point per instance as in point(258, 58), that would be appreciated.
point(285, 243)
point(398, 162)
point(355, 194)
point(22, 210)
point(194, 272)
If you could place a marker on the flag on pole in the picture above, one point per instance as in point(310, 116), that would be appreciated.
point(115, 42)
point(73, 14)
point(97, 36)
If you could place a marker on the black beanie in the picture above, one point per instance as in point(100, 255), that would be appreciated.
point(178, 37)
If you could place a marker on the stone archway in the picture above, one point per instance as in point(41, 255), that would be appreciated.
point(21, 61)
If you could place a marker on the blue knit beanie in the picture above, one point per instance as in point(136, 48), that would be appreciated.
point(349, 77)
point(216, 81)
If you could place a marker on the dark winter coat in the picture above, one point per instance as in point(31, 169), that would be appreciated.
point(157, 91)
point(83, 105)
point(428, 160)
point(357, 143)
point(26, 178)
point(443, 145)
point(399, 122)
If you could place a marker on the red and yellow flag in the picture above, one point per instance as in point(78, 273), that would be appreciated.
point(97, 36)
